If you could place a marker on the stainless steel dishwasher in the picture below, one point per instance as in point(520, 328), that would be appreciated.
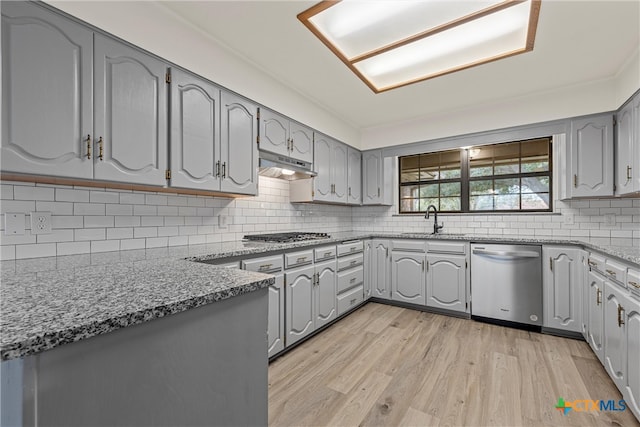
point(506, 283)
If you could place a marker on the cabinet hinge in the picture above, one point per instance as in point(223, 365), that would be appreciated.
point(167, 77)
point(466, 305)
point(614, 188)
point(258, 139)
point(258, 114)
point(466, 264)
point(167, 174)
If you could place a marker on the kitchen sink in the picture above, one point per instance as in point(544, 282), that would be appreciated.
point(431, 235)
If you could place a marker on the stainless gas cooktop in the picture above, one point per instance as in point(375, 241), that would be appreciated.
point(285, 237)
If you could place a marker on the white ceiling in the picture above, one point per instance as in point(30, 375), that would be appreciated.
point(577, 42)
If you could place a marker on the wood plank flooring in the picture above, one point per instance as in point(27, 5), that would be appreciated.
point(391, 366)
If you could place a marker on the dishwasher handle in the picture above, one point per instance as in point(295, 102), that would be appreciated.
point(507, 254)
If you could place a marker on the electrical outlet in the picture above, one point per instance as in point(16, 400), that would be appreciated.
point(14, 224)
point(569, 218)
point(40, 222)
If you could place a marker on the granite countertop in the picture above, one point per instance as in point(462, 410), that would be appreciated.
point(46, 302)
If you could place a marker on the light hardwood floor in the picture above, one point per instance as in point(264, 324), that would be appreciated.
point(391, 366)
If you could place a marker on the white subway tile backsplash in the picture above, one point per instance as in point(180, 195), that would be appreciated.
point(105, 245)
point(167, 210)
point(98, 221)
point(35, 251)
point(71, 195)
point(63, 235)
point(168, 231)
point(145, 210)
point(112, 209)
point(104, 197)
point(145, 232)
point(119, 233)
point(89, 234)
point(131, 199)
point(17, 206)
point(7, 252)
point(67, 221)
point(6, 192)
point(56, 208)
point(178, 240)
point(154, 199)
point(132, 244)
point(127, 221)
point(89, 209)
point(152, 221)
point(157, 242)
point(72, 248)
point(33, 193)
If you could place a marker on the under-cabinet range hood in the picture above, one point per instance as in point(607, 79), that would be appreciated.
point(283, 167)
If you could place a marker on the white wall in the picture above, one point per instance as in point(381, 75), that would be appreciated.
point(158, 30)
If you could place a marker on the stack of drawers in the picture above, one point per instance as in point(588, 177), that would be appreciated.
point(350, 283)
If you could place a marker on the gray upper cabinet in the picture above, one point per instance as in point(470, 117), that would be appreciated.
point(239, 151)
point(354, 176)
point(130, 114)
point(590, 171)
point(377, 178)
point(339, 165)
point(195, 132)
point(628, 148)
point(279, 135)
point(331, 165)
point(47, 123)
point(562, 288)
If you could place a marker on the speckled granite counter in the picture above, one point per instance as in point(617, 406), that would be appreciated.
point(46, 302)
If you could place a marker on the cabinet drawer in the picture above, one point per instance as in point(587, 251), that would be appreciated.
point(271, 264)
point(324, 253)
point(633, 281)
point(350, 278)
point(408, 245)
point(350, 299)
point(447, 247)
point(616, 271)
point(350, 248)
point(350, 261)
point(596, 262)
point(296, 259)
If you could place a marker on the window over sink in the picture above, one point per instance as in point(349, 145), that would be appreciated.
point(507, 177)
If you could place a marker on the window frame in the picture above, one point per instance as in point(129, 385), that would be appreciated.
point(465, 181)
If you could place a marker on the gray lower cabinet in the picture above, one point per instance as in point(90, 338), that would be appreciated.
point(299, 320)
point(47, 89)
point(130, 114)
point(615, 334)
point(407, 276)
point(595, 314)
point(380, 269)
point(562, 288)
point(275, 320)
point(350, 277)
point(631, 391)
point(446, 282)
point(325, 293)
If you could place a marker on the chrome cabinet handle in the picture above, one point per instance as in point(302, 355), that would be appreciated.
point(302, 259)
point(353, 279)
point(628, 172)
point(89, 147)
point(611, 272)
point(598, 296)
point(218, 168)
point(224, 169)
point(575, 181)
point(265, 266)
point(634, 284)
point(550, 263)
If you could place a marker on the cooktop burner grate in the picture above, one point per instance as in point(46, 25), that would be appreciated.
point(285, 237)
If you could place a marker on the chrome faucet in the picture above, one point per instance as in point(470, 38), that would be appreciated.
point(436, 227)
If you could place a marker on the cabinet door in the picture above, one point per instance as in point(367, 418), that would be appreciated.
point(299, 303)
point(354, 177)
point(322, 165)
point(239, 151)
point(592, 157)
point(632, 389)
point(408, 277)
point(274, 132)
point(339, 165)
point(625, 151)
point(584, 286)
point(595, 324)
point(562, 288)
point(47, 122)
point(301, 142)
point(368, 267)
point(446, 282)
point(372, 174)
point(615, 335)
point(195, 132)
point(380, 272)
point(130, 114)
point(325, 293)
point(635, 171)
point(275, 331)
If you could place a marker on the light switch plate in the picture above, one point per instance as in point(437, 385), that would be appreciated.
point(40, 222)
point(14, 224)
